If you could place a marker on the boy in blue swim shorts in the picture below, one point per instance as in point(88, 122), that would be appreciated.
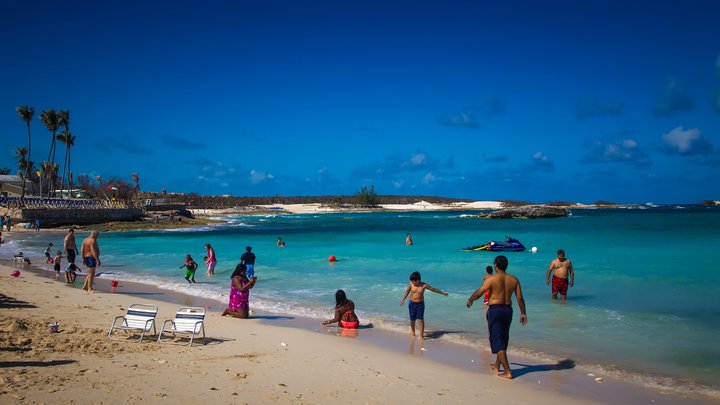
point(416, 289)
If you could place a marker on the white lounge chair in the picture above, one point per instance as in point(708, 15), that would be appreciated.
point(139, 317)
point(19, 259)
point(188, 321)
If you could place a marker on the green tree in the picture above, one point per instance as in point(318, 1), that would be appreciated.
point(26, 114)
point(366, 197)
point(68, 140)
point(85, 183)
point(136, 180)
point(52, 172)
point(51, 119)
point(48, 171)
point(4, 171)
point(64, 120)
point(24, 166)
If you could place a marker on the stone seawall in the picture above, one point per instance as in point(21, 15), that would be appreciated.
point(52, 217)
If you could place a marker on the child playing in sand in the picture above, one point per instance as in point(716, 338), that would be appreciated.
point(191, 266)
point(48, 259)
point(56, 262)
point(416, 290)
point(70, 272)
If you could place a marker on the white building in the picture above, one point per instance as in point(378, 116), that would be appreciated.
point(11, 185)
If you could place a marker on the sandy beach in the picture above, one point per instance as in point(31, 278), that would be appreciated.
point(270, 358)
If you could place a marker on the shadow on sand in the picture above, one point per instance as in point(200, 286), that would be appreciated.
point(8, 364)
point(198, 341)
point(15, 349)
point(136, 293)
point(436, 334)
point(528, 368)
point(10, 302)
point(271, 317)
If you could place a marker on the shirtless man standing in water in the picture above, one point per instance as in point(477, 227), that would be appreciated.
point(90, 252)
point(562, 275)
point(500, 312)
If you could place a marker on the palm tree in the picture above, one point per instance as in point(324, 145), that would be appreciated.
point(44, 171)
point(68, 140)
point(52, 174)
point(22, 162)
point(26, 114)
point(69, 145)
point(64, 117)
point(70, 176)
point(51, 119)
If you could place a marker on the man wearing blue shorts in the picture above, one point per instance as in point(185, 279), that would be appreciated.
point(90, 252)
point(500, 312)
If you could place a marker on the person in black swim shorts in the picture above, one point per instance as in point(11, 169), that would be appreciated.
point(70, 246)
point(500, 312)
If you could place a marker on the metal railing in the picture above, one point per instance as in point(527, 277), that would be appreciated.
point(37, 202)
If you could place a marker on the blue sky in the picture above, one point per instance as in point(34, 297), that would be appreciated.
point(525, 100)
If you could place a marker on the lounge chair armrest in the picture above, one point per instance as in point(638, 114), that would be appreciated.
point(198, 323)
point(116, 319)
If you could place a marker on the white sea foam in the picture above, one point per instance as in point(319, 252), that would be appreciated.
point(206, 228)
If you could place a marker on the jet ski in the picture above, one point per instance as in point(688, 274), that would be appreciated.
point(508, 245)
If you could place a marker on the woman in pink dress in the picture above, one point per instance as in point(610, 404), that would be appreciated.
point(239, 303)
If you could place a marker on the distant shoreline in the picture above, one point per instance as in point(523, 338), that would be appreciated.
point(209, 216)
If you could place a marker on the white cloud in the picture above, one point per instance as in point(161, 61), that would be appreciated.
point(541, 157)
point(465, 119)
point(629, 144)
point(398, 183)
point(258, 176)
point(418, 158)
point(622, 151)
point(680, 141)
point(429, 178)
point(543, 162)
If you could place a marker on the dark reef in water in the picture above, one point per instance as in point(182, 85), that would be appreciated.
point(528, 212)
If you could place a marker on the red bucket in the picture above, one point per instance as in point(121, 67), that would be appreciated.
point(114, 283)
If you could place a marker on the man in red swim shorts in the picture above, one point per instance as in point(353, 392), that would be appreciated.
point(562, 275)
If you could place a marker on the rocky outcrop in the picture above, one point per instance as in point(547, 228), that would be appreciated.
point(528, 212)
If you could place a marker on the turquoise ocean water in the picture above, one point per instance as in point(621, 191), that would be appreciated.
point(646, 301)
